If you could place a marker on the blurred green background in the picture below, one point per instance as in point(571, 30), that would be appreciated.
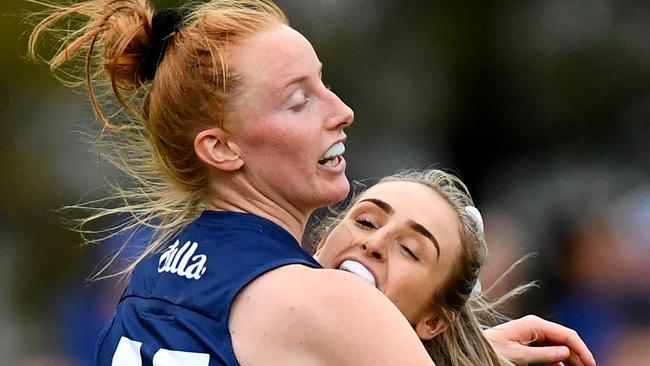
point(542, 107)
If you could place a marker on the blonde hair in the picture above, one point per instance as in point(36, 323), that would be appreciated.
point(149, 125)
point(467, 314)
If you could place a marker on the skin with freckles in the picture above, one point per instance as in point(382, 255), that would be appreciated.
point(268, 155)
point(269, 162)
point(285, 120)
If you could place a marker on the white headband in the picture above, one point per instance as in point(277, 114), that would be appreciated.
point(476, 289)
point(476, 215)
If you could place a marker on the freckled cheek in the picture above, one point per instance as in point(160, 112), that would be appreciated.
point(286, 141)
point(264, 133)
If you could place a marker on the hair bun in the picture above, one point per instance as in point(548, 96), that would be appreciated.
point(164, 25)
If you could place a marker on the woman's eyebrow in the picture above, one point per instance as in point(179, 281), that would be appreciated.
point(381, 204)
point(295, 80)
point(422, 230)
point(418, 228)
point(300, 78)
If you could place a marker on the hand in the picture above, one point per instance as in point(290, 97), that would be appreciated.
point(532, 339)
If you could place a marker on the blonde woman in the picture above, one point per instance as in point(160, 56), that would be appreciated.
point(417, 237)
point(232, 141)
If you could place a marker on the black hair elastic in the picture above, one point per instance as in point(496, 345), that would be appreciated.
point(163, 26)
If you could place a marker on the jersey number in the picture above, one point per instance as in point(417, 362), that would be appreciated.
point(128, 354)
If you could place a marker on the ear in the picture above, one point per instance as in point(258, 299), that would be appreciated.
point(431, 325)
point(214, 148)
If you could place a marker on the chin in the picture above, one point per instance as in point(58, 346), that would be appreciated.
point(324, 193)
point(341, 190)
point(333, 194)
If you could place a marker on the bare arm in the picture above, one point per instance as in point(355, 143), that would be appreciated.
point(534, 340)
point(366, 326)
point(299, 316)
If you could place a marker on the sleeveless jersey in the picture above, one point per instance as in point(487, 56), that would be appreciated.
point(175, 309)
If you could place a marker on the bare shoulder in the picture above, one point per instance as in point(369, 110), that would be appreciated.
point(301, 315)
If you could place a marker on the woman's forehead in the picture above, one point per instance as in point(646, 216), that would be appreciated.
point(396, 189)
point(275, 56)
point(407, 200)
point(416, 202)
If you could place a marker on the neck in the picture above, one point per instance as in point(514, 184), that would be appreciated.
point(238, 195)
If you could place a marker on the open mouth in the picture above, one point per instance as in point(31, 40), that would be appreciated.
point(359, 270)
point(332, 156)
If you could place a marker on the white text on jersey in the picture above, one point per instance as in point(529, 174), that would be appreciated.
point(175, 260)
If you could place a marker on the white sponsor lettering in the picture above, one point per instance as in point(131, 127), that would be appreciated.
point(176, 260)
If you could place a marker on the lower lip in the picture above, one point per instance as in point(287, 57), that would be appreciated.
point(337, 169)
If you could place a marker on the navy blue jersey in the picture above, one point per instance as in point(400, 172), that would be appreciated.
point(175, 310)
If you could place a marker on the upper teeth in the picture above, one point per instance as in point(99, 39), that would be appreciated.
point(359, 270)
point(334, 150)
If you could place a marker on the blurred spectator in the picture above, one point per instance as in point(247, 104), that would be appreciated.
point(507, 243)
point(631, 348)
point(85, 307)
point(607, 295)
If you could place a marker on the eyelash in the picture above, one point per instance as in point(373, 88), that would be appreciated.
point(365, 223)
point(298, 107)
point(409, 252)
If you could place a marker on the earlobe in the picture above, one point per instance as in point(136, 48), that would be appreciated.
point(430, 326)
point(214, 148)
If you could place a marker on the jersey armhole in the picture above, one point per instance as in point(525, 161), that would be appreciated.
point(270, 266)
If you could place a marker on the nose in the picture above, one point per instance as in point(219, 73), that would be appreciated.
point(341, 115)
point(374, 248)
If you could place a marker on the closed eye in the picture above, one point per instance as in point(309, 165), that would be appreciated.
point(409, 252)
point(298, 107)
point(367, 224)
